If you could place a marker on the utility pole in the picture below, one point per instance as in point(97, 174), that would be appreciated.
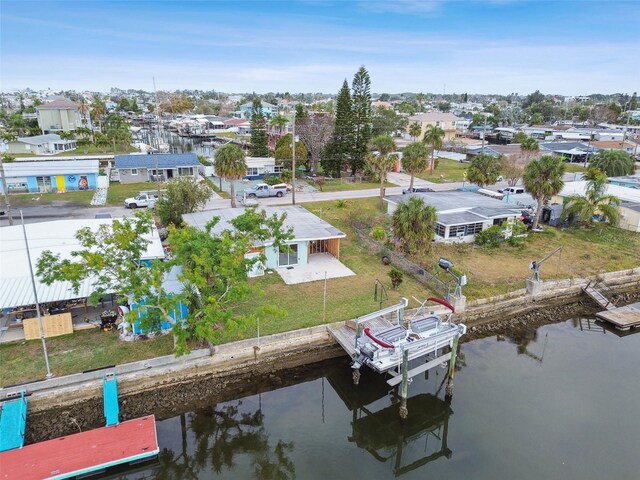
point(5, 191)
point(484, 132)
point(155, 93)
point(293, 161)
point(35, 296)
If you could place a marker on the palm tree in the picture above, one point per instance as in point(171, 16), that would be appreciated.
point(413, 225)
point(595, 201)
point(529, 146)
point(433, 137)
point(415, 130)
point(83, 108)
point(230, 164)
point(484, 170)
point(414, 160)
point(67, 135)
point(279, 121)
point(382, 161)
point(421, 97)
point(614, 163)
point(543, 179)
point(98, 111)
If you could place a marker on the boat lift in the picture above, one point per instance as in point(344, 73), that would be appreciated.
point(387, 348)
point(534, 285)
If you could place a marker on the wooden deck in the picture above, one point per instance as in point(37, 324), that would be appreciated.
point(82, 453)
point(346, 336)
point(623, 318)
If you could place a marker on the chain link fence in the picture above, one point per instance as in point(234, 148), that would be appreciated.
point(404, 264)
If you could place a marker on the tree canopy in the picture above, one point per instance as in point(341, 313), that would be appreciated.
point(484, 170)
point(414, 160)
point(381, 161)
point(259, 141)
point(230, 163)
point(339, 147)
point(183, 195)
point(361, 117)
point(613, 163)
point(433, 137)
point(543, 179)
point(594, 203)
point(413, 224)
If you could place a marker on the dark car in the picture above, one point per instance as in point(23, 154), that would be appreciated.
point(417, 190)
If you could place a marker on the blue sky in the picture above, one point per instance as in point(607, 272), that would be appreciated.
point(493, 46)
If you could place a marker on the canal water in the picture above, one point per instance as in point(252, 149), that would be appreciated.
point(559, 402)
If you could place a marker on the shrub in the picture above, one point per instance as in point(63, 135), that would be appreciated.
point(396, 275)
point(342, 203)
point(271, 179)
point(379, 233)
point(491, 237)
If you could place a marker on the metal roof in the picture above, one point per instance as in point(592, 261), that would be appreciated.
point(40, 139)
point(56, 167)
point(163, 160)
point(305, 225)
point(58, 104)
point(57, 236)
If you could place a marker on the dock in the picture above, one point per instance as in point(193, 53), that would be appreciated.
point(623, 318)
point(13, 423)
point(83, 453)
point(597, 296)
point(345, 334)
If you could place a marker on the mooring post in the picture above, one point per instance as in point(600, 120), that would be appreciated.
point(452, 367)
point(404, 412)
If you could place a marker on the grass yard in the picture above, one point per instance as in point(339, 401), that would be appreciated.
point(341, 185)
point(446, 171)
point(574, 167)
point(119, 192)
point(347, 297)
point(24, 199)
point(75, 353)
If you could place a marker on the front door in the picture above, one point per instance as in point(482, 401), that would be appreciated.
point(288, 255)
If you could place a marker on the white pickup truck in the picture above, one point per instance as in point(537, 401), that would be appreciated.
point(143, 199)
point(264, 190)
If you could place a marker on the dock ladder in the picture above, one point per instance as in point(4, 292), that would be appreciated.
point(13, 422)
point(110, 397)
point(598, 296)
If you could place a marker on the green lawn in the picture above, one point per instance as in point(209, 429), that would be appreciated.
point(446, 171)
point(574, 167)
point(75, 353)
point(23, 199)
point(338, 185)
point(118, 192)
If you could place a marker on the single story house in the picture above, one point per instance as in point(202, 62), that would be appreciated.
point(48, 144)
point(572, 151)
point(461, 214)
point(155, 166)
point(313, 251)
point(15, 282)
point(629, 198)
point(631, 181)
point(630, 147)
point(493, 150)
point(51, 176)
point(266, 108)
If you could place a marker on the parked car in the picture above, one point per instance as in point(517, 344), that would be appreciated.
point(511, 190)
point(417, 190)
point(142, 200)
point(264, 190)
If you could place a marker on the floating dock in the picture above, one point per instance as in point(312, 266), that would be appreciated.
point(623, 318)
point(82, 453)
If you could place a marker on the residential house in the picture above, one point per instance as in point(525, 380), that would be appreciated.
point(630, 147)
point(571, 151)
point(48, 144)
point(312, 253)
point(629, 198)
point(266, 108)
point(446, 121)
point(493, 150)
point(51, 176)
point(155, 167)
point(630, 181)
point(59, 115)
point(460, 214)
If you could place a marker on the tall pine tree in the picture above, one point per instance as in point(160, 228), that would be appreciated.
point(259, 146)
point(362, 123)
point(340, 146)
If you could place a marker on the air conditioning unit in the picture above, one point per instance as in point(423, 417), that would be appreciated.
point(460, 234)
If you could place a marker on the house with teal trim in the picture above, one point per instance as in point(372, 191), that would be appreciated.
point(312, 253)
point(266, 108)
point(56, 176)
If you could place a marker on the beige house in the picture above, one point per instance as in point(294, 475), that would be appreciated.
point(58, 115)
point(446, 121)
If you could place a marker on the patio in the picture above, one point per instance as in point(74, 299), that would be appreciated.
point(317, 266)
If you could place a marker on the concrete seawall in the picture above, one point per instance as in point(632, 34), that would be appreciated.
point(281, 351)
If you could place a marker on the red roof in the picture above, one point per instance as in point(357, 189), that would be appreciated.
point(236, 121)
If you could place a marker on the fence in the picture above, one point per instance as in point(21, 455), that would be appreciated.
point(406, 265)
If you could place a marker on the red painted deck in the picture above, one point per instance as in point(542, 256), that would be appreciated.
point(82, 452)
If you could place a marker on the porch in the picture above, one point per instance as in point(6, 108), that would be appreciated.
point(317, 266)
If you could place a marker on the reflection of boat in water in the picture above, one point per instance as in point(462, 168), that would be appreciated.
point(375, 427)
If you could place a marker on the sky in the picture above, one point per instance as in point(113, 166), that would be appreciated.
point(489, 46)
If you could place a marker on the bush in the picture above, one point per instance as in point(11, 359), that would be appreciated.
point(379, 233)
point(342, 203)
point(396, 275)
point(271, 179)
point(491, 237)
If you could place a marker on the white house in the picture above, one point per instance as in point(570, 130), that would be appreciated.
point(258, 167)
point(49, 144)
point(461, 215)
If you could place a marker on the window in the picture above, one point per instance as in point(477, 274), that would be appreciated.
point(252, 171)
point(134, 171)
point(441, 230)
point(456, 230)
point(185, 171)
point(474, 228)
point(277, 169)
point(288, 255)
